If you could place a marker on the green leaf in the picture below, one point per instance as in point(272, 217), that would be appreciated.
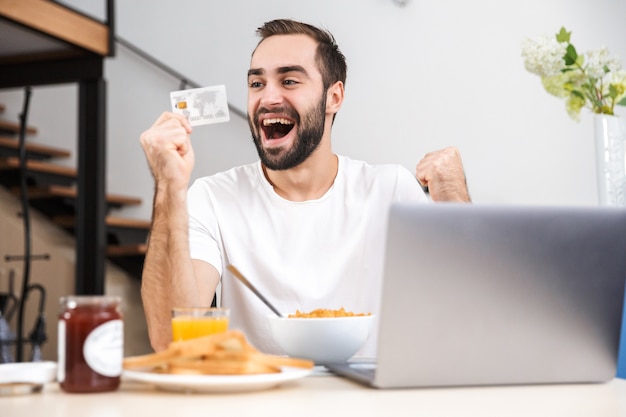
point(622, 102)
point(563, 35)
point(613, 93)
point(570, 55)
point(578, 94)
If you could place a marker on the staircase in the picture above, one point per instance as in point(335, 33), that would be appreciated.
point(52, 191)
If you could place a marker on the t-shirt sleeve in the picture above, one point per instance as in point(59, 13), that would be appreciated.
point(203, 226)
point(408, 188)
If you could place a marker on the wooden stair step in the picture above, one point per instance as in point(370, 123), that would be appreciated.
point(119, 230)
point(14, 128)
point(129, 257)
point(37, 173)
point(59, 23)
point(56, 200)
point(133, 249)
point(59, 191)
point(68, 221)
point(11, 162)
point(127, 223)
point(10, 146)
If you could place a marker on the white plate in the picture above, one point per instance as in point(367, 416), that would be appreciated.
point(216, 383)
point(28, 372)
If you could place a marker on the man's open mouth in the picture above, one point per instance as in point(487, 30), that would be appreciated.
point(276, 128)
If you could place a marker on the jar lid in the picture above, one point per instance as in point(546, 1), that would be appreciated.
point(72, 301)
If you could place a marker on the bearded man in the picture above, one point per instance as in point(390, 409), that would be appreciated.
point(307, 224)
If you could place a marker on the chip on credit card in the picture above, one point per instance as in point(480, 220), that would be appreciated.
point(201, 106)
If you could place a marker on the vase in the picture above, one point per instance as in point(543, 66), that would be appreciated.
point(610, 138)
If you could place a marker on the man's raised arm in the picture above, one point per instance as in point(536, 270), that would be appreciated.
point(168, 278)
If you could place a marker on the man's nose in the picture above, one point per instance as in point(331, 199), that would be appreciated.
point(271, 95)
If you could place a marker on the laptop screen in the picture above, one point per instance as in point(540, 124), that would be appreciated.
point(482, 295)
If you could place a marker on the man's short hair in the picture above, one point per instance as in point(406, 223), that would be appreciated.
point(330, 61)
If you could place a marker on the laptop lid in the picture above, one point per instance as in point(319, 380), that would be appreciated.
point(485, 295)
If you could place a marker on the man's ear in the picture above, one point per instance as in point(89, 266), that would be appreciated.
point(334, 97)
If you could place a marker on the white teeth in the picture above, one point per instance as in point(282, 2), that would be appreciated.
point(268, 122)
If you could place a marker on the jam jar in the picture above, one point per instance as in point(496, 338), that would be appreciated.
point(91, 343)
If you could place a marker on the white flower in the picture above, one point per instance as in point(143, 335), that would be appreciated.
point(598, 62)
point(594, 80)
point(618, 77)
point(543, 55)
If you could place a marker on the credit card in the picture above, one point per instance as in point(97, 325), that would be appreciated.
point(201, 106)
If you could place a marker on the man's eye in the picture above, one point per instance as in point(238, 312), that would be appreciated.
point(290, 82)
point(255, 84)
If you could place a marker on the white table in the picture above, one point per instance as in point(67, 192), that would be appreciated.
point(324, 396)
point(329, 396)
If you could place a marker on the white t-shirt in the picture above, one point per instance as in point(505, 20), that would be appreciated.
point(324, 253)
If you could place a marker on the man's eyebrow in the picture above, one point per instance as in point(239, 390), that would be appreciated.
point(292, 68)
point(280, 70)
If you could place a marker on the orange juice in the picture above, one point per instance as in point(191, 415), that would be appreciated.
point(189, 323)
point(189, 327)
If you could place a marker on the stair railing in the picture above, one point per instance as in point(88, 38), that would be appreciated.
point(185, 82)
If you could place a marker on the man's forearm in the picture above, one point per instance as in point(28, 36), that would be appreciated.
point(168, 277)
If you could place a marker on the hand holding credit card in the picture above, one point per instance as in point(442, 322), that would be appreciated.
point(201, 106)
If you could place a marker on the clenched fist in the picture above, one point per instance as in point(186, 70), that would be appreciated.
point(442, 172)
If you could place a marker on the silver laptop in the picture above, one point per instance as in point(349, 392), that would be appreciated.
point(491, 295)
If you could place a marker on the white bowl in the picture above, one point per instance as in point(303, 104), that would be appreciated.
point(322, 340)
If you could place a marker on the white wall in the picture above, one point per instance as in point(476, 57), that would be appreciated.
point(427, 75)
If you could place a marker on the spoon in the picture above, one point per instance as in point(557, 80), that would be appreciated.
point(247, 283)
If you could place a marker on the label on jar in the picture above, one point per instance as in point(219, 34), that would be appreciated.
point(61, 351)
point(104, 348)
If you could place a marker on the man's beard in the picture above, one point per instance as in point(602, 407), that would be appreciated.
point(308, 137)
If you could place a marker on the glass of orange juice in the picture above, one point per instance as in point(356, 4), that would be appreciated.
point(192, 322)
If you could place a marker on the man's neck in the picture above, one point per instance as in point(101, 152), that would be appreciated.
point(308, 181)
